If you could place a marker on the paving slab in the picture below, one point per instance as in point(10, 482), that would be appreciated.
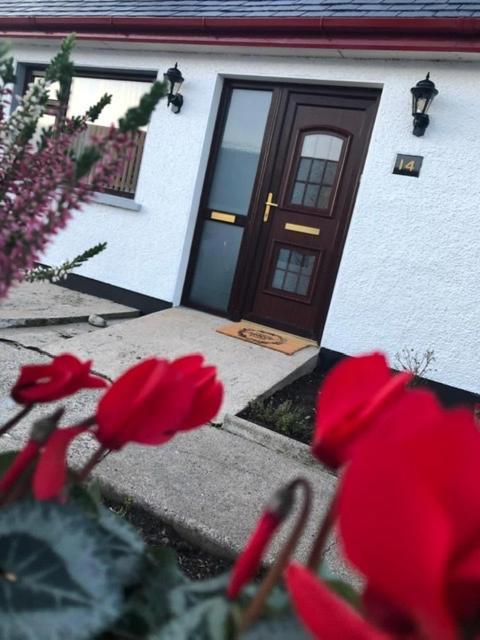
point(40, 336)
point(247, 370)
point(209, 484)
point(42, 303)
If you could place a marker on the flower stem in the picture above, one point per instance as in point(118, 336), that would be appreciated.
point(16, 418)
point(318, 546)
point(255, 607)
point(97, 457)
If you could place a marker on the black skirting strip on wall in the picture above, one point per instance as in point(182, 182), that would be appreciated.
point(145, 304)
point(448, 396)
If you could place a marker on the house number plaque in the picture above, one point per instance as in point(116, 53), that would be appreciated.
point(408, 165)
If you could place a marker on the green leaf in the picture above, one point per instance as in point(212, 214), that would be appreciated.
point(81, 497)
point(139, 116)
point(6, 459)
point(123, 544)
point(209, 620)
point(55, 579)
point(190, 594)
point(147, 607)
point(86, 160)
point(345, 591)
point(279, 627)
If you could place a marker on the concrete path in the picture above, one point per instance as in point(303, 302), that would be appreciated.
point(39, 303)
point(247, 370)
point(210, 484)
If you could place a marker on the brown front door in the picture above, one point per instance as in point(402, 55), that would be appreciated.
point(313, 182)
point(308, 168)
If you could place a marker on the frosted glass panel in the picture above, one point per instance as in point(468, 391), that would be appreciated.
point(319, 145)
point(216, 262)
point(239, 152)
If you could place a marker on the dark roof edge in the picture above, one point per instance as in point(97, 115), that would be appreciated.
point(404, 34)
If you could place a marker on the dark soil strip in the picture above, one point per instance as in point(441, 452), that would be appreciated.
point(193, 561)
point(290, 411)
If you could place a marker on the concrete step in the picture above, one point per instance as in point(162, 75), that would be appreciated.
point(41, 304)
point(247, 370)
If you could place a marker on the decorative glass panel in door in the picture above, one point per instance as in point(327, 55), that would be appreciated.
point(316, 170)
point(226, 204)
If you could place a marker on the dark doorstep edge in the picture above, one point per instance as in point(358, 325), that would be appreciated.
point(449, 396)
point(145, 304)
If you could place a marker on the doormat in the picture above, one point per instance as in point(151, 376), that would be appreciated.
point(266, 337)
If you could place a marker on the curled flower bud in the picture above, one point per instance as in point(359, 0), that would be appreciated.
point(248, 562)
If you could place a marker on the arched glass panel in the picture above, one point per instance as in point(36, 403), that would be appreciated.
point(317, 169)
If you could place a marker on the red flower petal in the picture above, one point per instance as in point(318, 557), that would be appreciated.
point(323, 613)
point(124, 399)
point(51, 472)
point(18, 466)
point(248, 562)
point(158, 420)
point(464, 586)
point(58, 379)
point(187, 364)
point(352, 394)
point(206, 405)
point(39, 383)
point(393, 525)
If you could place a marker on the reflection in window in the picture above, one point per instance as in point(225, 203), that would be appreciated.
point(239, 153)
point(293, 271)
point(317, 170)
point(85, 91)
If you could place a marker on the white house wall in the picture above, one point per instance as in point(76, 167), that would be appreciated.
point(409, 275)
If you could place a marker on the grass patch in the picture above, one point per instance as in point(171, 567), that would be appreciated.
point(286, 418)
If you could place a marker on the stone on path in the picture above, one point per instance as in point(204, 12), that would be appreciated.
point(42, 303)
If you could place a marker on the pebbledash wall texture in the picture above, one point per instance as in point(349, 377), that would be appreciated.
point(409, 272)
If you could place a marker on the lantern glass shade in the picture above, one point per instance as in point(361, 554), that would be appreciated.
point(174, 79)
point(422, 96)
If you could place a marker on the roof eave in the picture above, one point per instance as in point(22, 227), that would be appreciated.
point(459, 34)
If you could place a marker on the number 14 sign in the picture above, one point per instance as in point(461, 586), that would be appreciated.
point(408, 165)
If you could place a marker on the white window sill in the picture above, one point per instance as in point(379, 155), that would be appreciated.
point(116, 201)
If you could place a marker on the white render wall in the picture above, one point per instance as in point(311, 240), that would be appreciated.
point(410, 270)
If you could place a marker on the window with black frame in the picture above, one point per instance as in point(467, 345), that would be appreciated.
point(86, 89)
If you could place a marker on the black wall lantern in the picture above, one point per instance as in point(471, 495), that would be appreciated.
point(423, 94)
point(173, 77)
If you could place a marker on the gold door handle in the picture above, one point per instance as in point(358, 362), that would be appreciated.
point(268, 205)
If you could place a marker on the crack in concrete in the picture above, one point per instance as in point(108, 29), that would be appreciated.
point(19, 345)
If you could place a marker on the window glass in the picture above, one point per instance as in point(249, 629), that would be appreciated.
point(293, 271)
point(216, 263)
point(239, 152)
point(316, 170)
point(84, 93)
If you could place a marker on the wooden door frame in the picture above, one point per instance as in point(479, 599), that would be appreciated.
point(247, 269)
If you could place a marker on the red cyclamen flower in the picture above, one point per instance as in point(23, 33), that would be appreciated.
point(248, 562)
point(409, 516)
point(62, 377)
point(352, 396)
point(323, 613)
point(148, 404)
point(155, 399)
point(19, 465)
